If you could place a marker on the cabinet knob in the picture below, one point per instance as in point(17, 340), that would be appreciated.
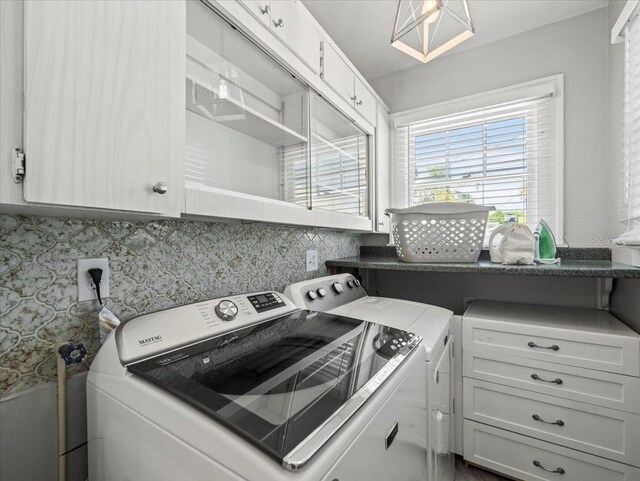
point(354, 97)
point(279, 23)
point(266, 10)
point(160, 188)
point(359, 102)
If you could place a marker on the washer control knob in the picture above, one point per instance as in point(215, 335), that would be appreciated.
point(351, 284)
point(337, 287)
point(226, 310)
point(356, 282)
point(312, 295)
point(321, 292)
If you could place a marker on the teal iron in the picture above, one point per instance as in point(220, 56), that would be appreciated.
point(545, 244)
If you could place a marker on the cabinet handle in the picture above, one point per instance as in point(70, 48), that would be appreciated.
point(557, 380)
point(538, 464)
point(266, 10)
point(559, 422)
point(532, 344)
point(160, 188)
point(279, 23)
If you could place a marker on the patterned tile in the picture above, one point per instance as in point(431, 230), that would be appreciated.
point(26, 317)
point(154, 265)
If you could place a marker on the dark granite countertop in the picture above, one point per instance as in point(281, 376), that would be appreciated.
point(575, 263)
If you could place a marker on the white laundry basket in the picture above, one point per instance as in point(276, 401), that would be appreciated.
point(439, 231)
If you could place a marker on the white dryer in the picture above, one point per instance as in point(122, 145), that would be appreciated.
point(343, 294)
point(251, 388)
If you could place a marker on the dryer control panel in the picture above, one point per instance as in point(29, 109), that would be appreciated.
point(325, 293)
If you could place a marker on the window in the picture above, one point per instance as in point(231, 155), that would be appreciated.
point(631, 165)
point(502, 148)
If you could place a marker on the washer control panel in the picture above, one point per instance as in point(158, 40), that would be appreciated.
point(226, 310)
point(266, 301)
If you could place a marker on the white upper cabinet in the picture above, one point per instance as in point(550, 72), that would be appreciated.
point(337, 73)
point(383, 154)
point(249, 121)
point(365, 102)
point(290, 21)
point(104, 104)
point(261, 9)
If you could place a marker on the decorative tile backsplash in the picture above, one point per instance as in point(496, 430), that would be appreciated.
point(154, 265)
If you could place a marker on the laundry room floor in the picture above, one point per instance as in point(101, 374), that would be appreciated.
point(471, 473)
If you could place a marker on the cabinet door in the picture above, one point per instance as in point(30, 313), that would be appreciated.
point(291, 23)
point(261, 9)
point(365, 102)
point(104, 104)
point(382, 169)
point(337, 73)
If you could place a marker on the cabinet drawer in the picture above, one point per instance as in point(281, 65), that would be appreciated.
point(514, 455)
point(613, 350)
point(596, 430)
point(593, 387)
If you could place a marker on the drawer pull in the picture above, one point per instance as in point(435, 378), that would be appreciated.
point(554, 347)
point(557, 380)
point(559, 422)
point(538, 464)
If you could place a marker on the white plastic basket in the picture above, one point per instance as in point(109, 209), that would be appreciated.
point(439, 231)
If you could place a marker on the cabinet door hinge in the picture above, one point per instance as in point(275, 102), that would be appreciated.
point(19, 168)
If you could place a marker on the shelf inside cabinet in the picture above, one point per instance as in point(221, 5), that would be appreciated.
point(212, 78)
point(250, 122)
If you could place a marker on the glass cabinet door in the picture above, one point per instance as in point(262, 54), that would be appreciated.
point(247, 116)
point(339, 161)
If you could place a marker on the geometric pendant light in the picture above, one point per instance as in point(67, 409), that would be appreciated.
point(425, 29)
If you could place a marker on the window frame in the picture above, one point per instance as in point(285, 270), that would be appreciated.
point(551, 85)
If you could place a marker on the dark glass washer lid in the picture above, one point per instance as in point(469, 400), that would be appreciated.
point(280, 383)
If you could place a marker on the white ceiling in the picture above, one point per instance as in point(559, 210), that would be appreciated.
point(362, 28)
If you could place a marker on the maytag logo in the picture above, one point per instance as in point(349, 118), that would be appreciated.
point(149, 340)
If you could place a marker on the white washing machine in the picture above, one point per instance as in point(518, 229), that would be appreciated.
point(252, 388)
point(344, 295)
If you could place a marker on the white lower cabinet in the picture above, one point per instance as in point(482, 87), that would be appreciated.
point(593, 429)
point(529, 459)
point(531, 413)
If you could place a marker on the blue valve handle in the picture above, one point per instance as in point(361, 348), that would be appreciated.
point(73, 354)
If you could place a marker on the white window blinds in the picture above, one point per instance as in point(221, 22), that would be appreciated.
point(507, 154)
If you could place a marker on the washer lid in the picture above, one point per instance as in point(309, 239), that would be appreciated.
point(286, 384)
point(429, 322)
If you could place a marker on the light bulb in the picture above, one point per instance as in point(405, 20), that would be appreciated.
point(430, 5)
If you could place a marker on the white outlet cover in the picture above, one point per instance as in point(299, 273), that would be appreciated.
point(312, 260)
point(86, 290)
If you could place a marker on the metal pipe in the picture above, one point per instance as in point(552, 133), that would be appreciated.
point(62, 415)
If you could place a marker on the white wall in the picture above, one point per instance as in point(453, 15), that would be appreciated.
point(577, 47)
point(616, 122)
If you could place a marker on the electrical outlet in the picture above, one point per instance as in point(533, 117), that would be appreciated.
point(312, 260)
point(86, 289)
